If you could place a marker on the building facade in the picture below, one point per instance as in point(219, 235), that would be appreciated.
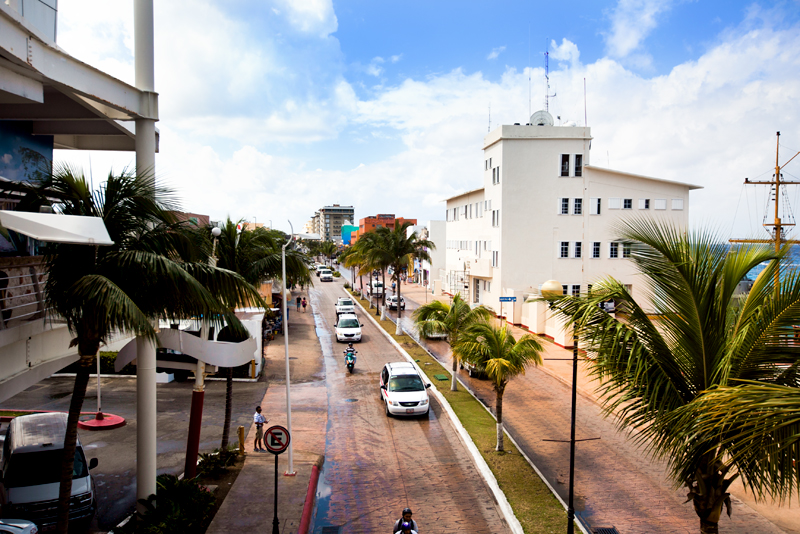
point(545, 213)
point(328, 221)
point(381, 220)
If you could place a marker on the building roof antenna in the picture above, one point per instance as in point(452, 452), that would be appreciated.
point(547, 94)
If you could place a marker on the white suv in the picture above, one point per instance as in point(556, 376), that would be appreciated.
point(403, 391)
point(345, 305)
point(348, 329)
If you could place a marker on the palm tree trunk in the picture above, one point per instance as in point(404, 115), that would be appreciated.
point(454, 384)
point(499, 412)
point(399, 330)
point(228, 406)
point(71, 438)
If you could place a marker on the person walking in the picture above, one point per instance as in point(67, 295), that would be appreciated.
point(398, 525)
point(304, 304)
point(298, 302)
point(259, 420)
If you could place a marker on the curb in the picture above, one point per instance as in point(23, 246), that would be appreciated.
point(483, 468)
point(311, 495)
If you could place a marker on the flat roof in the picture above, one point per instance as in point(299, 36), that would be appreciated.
point(464, 193)
point(643, 177)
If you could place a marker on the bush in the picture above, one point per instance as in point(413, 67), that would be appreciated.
point(178, 506)
point(347, 285)
point(336, 274)
point(212, 465)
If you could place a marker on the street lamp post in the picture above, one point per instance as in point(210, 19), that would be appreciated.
point(290, 471)
point(551, 290)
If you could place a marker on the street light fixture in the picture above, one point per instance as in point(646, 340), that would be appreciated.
point(290, 471)
point(551, 290)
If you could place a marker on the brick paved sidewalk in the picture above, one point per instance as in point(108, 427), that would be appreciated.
point(249, 505)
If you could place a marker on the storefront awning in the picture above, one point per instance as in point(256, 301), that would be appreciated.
point(56, 228)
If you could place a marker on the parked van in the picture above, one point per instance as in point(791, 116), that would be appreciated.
point(325, 275)
point(376, 288)
point(30, 472)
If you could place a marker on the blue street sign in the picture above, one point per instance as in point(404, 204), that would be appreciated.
point(508, 299)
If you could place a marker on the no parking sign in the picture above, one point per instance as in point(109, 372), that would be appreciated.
point(276, 439)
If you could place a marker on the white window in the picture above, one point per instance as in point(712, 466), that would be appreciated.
point(495, 258)
point(627, 203)
point(613, 250)
point(626, 250)
point(495, 217)
point(564, 253)
point(564, 207)
point(677, 203)
point(470, 211)
point(596, 249)
point(496, 175)
point(479, 208)
point(644, 203)
point(486, 165)
point(564, 164)
point(578, 164)
point(576, 289)
point(487, 205)
point(577, 206)
point(578, 249)
point(614, 203)
point(594, 206)
point(660, 204)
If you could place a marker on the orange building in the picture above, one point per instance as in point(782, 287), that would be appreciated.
point(382, 220)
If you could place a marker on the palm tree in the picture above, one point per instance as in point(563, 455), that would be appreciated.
point(452, 320)
point(695, 334)
point(403, 250)
point(503, 357)
point(328, 249)
point(374, 249)
point(256, 256)
point(143, 277)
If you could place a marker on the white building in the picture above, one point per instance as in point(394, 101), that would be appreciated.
point(428, 271)
point(545, 213)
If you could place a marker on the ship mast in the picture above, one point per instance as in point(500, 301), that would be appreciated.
point(778, 225)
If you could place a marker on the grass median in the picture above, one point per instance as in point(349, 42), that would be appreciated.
point(534, 505)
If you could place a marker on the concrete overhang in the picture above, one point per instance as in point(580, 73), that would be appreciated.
point(82, 107)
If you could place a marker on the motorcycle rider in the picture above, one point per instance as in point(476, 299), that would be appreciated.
point(350, 350)
point(398, 525)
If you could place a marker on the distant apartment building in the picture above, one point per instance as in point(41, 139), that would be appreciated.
point(545, 213)
point(328, 221)
point(385, 220)
point(433, 231)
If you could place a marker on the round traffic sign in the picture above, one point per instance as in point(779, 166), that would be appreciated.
point(276, 439)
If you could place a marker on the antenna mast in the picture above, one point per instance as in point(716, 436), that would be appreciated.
point(547, 94)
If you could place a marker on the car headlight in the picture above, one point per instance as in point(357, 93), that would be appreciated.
point(395, 403)
point(423, 402)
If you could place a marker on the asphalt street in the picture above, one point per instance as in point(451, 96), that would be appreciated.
point(375, 465)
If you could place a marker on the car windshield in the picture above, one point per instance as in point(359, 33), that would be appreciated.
point(406, 383)
point(345, 303)
point(41, 467)
point(348, 323)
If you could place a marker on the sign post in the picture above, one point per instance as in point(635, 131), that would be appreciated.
point(276, 439)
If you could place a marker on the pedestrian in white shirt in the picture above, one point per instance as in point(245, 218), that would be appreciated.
point(259, 420)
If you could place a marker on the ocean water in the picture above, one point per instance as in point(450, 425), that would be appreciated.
point(794, 261)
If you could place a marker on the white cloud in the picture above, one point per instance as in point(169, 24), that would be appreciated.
point(567, 51)
point(631, 22)
point(311, 16)
point(396, 58)
point(495, 52)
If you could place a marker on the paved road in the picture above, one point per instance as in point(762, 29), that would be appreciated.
point(116, 449)
point(615, 483)
point(376, 466)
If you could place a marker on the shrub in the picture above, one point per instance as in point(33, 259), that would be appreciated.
point(178, 506)
point(347, 285)
point(212, 465)
point(336, 274)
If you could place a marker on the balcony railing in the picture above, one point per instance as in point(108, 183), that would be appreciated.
point(22, 281)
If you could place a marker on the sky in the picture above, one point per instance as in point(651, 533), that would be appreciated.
point(272, 109)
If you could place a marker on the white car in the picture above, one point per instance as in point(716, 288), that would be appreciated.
point(403, 391)
point(17, 526)
point(325, 275)
point(345, 305)
point(348, 329)
point(391, 302)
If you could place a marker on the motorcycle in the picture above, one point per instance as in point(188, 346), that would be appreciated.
point(350, 359)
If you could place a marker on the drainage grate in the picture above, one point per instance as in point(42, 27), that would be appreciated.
point(605, 530)
point(330, 530)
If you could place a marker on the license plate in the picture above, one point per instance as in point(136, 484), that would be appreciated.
point(409, 410)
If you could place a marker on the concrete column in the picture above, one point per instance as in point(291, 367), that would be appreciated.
point(145, 418)
point(145, 350)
